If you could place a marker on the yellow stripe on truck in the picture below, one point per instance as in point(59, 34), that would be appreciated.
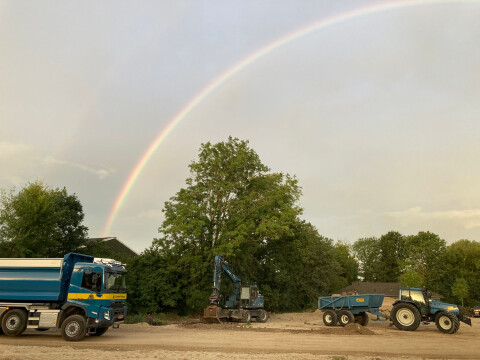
point(93, 296)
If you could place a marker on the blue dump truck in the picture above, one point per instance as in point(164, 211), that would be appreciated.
point(78, 294)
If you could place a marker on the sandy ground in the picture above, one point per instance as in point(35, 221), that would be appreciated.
point(284, 336)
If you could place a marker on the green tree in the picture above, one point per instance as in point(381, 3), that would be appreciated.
point(424, 252)
point(235, 206)
point(348, 266)
point(461, 260)
point(367, 252)
point(460, 289)
point(410, 278)
point(40, 222)
point(392, 256)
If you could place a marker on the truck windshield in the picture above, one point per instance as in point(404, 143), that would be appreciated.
point(115, 282)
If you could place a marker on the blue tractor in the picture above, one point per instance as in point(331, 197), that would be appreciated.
point(414, 305)
point(244, 304)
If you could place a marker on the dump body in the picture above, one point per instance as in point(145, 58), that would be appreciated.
point(45, 280)
point(346, 309)
point(354, 303)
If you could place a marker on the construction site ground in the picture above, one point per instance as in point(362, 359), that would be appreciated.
point(283, 336)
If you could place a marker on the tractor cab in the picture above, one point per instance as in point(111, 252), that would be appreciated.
point(420, 297)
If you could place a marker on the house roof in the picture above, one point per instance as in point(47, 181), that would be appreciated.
point(116, 245)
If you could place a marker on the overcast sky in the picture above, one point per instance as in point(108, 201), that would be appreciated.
point(377, 116)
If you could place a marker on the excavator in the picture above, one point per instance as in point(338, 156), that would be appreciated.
point(245, 304)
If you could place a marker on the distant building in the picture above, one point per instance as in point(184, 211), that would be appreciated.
point(115, 246)
point(389, 289)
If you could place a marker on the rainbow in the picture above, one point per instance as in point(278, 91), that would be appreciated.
point(227, 75)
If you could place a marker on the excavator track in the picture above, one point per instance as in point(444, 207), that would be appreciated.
point(211, 314)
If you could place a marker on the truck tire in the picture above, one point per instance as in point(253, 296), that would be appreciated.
point(14, 322)
point(74, 328)
point(263, 317)
point(447, 323)
point(246, 316)
point(406, 317)
point(330, 318)
point(362, 319)
point(345, 317)
point(99, 331)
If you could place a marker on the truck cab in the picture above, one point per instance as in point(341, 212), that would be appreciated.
point(99, 288)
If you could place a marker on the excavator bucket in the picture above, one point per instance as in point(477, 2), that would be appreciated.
point(211, 314)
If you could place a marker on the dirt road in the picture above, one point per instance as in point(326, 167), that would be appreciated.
point(285, 336)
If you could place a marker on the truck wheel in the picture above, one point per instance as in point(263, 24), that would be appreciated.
point(246, 316)
point(74, 328)
point(406, 317)
point(345, 317)
point(362, 319)
point(329, 318)
point(99, 331)
point(446, 322)
point(263, 316)
point(14, 322)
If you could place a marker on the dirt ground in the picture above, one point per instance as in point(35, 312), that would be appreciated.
point(283, 336)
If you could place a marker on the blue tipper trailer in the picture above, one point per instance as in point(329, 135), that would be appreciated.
point(346, 309)
point(77, 293)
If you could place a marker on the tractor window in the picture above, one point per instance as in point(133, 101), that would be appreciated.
point(92, 281)
point(417, 296)
point(413, 295)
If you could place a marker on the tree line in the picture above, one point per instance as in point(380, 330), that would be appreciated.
point(234, 205)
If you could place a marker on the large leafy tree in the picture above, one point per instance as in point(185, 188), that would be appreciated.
point(235, 206)
point(40, 222)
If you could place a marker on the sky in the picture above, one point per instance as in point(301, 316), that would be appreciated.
point(377, 114)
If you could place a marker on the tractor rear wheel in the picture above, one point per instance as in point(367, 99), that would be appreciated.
point(447, 323)
point(329, 318)
point(345, 317)
point(406, 317)
point(362, 319)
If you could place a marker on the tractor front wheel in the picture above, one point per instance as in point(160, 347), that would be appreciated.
point(406, 317)
point(447, 323)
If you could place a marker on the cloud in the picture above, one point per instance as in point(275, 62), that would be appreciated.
point(20, 162)
point(469, 218)
point(100, 173)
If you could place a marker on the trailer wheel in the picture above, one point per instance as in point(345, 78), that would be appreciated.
point(345, 317)
point(99, 331)
point(14, 322)
point(329, 318)
point(362, 319)
point(447, 323)
point(406, 317)
point(263, 316)
point(74, 328)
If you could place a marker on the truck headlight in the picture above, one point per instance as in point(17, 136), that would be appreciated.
point(106, 315)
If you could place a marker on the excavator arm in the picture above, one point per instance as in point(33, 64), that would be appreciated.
point(210, 314)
